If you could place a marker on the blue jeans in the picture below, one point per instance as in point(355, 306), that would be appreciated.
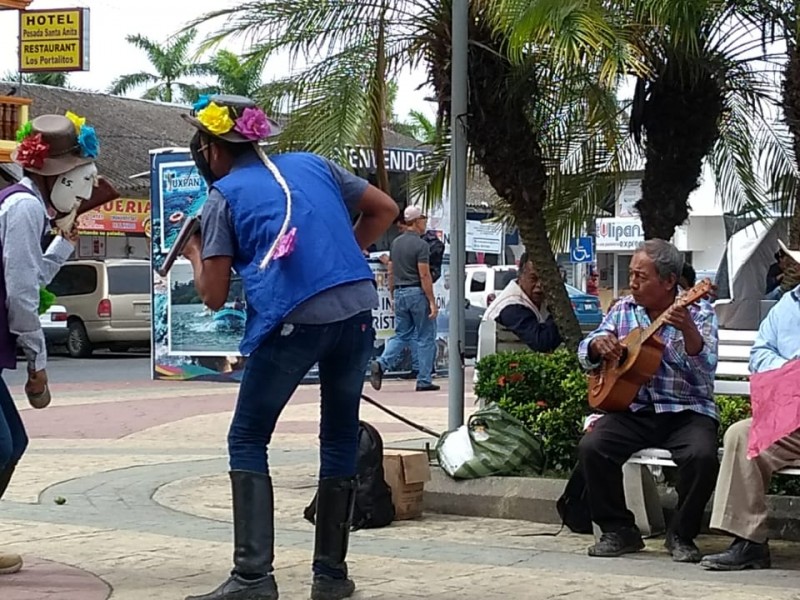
point(273, 372)
point(13, 439)
point(412, 325)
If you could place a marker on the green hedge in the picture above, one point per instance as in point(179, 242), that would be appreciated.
point(548, 393)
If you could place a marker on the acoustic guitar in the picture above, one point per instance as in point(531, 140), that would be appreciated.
point(613, 386)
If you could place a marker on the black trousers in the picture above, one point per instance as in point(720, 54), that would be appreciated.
point(690, 436)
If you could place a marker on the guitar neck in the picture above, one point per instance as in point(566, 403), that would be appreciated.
point(654, 326)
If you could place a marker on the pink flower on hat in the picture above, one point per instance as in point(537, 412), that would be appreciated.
point(33, 151)
point(253, 124)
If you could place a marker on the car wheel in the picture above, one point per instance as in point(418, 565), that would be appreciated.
point(78, 344)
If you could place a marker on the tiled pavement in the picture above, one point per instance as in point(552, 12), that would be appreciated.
point(142, 470)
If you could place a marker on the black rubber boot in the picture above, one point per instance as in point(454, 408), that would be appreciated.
point(254, 538)
point(336, 498)
point(5, 478)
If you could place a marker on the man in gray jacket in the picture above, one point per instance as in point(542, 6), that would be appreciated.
point(415, 310)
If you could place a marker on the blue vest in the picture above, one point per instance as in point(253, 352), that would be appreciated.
point(326, 254)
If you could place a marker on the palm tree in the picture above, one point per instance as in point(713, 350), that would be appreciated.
point(520, 99)
point(421, 128)
point(780, 21)
point(172, 62)
point(234, 74)
point(703, 97)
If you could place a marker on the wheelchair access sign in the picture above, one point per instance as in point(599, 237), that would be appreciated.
point(581, 250)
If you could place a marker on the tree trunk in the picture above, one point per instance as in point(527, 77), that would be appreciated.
point(503, 144)
point(378, 101)
point(681, 119)
point(791, 111)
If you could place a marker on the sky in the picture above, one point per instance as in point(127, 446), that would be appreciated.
point(111, 55)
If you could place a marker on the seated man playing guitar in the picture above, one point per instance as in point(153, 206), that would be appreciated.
point(675, 409)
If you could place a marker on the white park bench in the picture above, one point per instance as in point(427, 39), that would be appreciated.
point(641, 494)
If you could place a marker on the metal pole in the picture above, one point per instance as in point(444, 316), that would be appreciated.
point(458, 210)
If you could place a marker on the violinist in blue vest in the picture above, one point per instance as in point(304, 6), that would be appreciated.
point(283, 223)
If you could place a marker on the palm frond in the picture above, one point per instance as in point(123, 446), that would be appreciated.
point(126, 83)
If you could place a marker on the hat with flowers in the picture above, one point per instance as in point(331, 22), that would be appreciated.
point(235, 119)
point(54, 144)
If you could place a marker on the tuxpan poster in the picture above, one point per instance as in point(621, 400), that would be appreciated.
point(192, 342)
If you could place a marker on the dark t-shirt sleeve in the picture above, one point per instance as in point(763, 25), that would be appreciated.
point(216, 227)
point(540, 337)
point(351, 186)
point(423, 252)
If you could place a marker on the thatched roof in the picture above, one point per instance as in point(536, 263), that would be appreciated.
point(127, 129)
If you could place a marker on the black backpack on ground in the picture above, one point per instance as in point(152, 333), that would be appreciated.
point(436, 254)
point(373, 507)
point(573, 505)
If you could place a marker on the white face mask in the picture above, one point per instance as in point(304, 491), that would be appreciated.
point(72, 187)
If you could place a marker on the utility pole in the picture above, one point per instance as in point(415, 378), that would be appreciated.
point(458, 210)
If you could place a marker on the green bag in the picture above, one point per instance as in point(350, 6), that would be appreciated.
point(491, 443)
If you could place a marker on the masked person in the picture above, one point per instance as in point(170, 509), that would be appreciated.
point(57, 156)
point(283, 224)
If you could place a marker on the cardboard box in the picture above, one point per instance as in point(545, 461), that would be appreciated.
point(406, 472)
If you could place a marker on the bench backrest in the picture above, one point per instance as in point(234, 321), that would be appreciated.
point(494, 338)
point(734, 356)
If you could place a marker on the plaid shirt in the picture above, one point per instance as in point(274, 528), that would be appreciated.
point(682, 382)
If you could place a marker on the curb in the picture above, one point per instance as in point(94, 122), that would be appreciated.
point(534, 499)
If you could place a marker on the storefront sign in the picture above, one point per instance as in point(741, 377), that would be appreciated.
point(618, 235)
point(403, 160)
point(120, 217)
point(54, 40)
point(484, 237)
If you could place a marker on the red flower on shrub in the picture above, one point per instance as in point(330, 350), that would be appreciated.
point(501, 381)
point(516, 377)
point(513, 365)
point(541, 404)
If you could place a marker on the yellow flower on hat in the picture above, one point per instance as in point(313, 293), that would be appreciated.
point(216, 118)
point(77, 121)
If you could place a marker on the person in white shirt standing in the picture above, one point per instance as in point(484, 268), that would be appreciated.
point(56, 153)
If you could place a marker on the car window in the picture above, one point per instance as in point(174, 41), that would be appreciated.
point(478, 283)
point(74, 280)
point(503, 278)
point(573, 291)
point(129, 279)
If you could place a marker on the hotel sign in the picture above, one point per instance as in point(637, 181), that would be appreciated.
point(54, 40)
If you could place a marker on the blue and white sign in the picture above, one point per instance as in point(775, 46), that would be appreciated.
point(581, 250)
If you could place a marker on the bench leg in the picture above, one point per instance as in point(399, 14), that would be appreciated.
point(641, 496)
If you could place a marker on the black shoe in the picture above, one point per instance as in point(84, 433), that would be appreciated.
point(328, 588)
point(239, 588)
point(617, 543)
point(254, 539)
point(683, 551)
point(376, 375)
point(335, 500)
point(431, 387)
point(742, 554)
